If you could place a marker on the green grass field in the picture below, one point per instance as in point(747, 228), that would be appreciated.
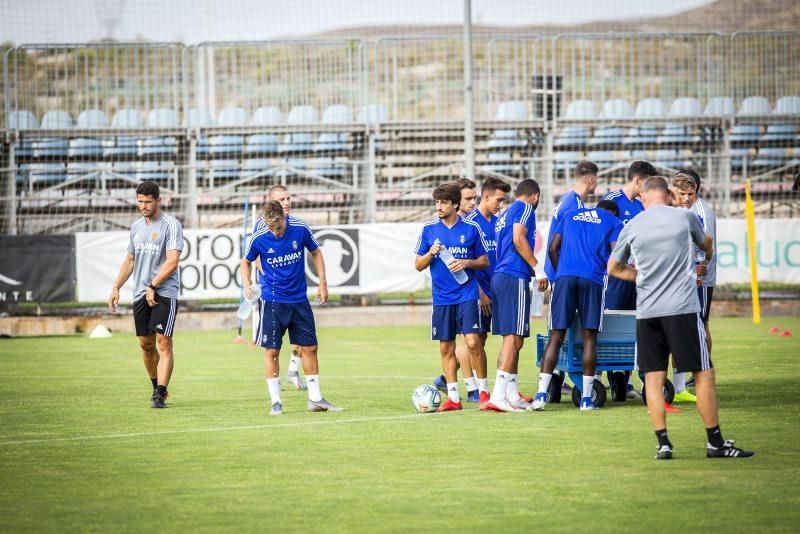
point(80, 449)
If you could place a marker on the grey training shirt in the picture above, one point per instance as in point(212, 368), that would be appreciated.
point(149, 244)
point(660, 240)
point(706, 214)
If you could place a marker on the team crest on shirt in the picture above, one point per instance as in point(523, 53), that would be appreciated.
point(434, 331)
point(154, 236)
point(462, 239)
point(294, 245)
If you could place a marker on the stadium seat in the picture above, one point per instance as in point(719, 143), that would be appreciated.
point(503, 141)
point(229, 145)
point(650, 107)
point(677, 133)
point(161, 118)
point(254, 166)
point(641, 135)
point(85, 146)
point(53, 146)
point(47, 173)
point(572, 135)
point(671, 159)
point(603, 158)
point(199, 118)
point(332, 142)
point(780, 132)
point(617, 108)
point(744, 136)
point(566, 161)
point(125, 146)
point(299, 141)
point(23, 120)
point(374, 114)
point(608, 135)
point(157, 171)
point(264, 116)
point(577, 109)
point(754, 106)
point(719, 106)
point(788, 105)
point(685, 107)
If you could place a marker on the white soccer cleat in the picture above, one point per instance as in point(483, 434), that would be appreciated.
point(501, 406)
point(293, 377)
point(539, 402)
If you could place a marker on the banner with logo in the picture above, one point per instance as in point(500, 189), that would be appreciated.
point(379, 258)
point(39, 268)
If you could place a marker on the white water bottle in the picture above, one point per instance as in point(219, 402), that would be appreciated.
point(537, 303)
point(247, 304)
point(447, 257)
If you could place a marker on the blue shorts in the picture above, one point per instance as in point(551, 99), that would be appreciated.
point(486, 324)
point(511, 306)
point(705, 294)
point(449, 320)
point(620, 294)
point(277, 317)
point(571, 294)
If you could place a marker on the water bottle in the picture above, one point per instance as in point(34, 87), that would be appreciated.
point(537, 303)
point(247, 304)
point(446, 256)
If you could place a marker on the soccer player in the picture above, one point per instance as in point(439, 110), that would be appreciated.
point(511, 297)
point(621, 295)
point(281, 194)
point(455, 305)
point(281, 247)
point(582, 242)
point(493, 196)
point(667, 310)
point(154, 251)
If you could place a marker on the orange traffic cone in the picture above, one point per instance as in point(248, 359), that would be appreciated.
point(774, 330)
point(786, 333)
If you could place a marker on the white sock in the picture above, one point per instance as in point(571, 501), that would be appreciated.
point(274, 389)
point(544, 382)
point(452, 392)
point(679, 381)
point(314, 393)
point(294, 363)
point(512, 389)
point(588, 381)
point(630, 379)
point(483, 384)
point(472, 383)
point(500, 386)
point(598, 376)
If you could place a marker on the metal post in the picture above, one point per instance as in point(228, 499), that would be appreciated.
point(371, 201)
point(548, 173)
point(191, 184)
point(469, 118)
point(11, 190)
point(725, 166)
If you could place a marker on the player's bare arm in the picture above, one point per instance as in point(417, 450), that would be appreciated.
point(319, 265)
point(520, 239)
point(245, 269)
point(166, 270)
point(421, 262)
point(125, 272)
point(554, 250)
point(623, 271)
point(477, 264)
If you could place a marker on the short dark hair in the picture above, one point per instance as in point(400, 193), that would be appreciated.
point(610, 206)
point(148, 189)
point(642, 169)
point(691, 173)
point(272, 210)
point(653, 183)
point(585, 168)
point(526, 187)
point(465, 183)
point(450, 192)
point(495, 184)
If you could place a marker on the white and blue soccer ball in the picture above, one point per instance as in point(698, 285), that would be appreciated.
point(426, 398)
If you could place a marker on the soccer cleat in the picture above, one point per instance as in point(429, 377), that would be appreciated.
point(631, 393)
point(587, 405)
point(670, 408)
point(166, 394)
point(484, 397)
point(525, 398)
point(440, 383)
point(684, 396)
point(322, 406)
point(664, 452)
point(522, 404)
point(293, 377)
point(501, 406)
point(449, 406)
point(727, 451)
point(566, 389)
point(157, 401)
point(276, 409)
point(690, 383)
point(539, 402)
point(473, 396)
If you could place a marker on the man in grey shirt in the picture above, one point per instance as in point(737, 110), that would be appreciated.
point(667, 310)
point(154, 250)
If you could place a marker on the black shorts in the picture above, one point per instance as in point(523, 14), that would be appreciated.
point(683, 336)
point(705, 294)
point(157, 320)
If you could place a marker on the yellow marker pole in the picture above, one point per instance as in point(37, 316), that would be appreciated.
point(750, 215)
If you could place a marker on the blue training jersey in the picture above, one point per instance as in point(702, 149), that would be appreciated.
point(487, 229)
point(586, 237)
point(570, 201)
point(283, 261)
point(260, 226)
point(465, 242)
point(628, 209)
point(508, 259)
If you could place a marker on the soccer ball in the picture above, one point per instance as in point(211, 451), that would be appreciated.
point(426, 398)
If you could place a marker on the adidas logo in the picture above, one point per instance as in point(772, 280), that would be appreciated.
point(271, 251)
point(312, 380)
point(453, 389)
point(627, 212)
point(160, 327)
point(475, 326)
point(588, 216)
point(513, 380)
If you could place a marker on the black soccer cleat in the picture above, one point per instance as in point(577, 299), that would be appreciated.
point(727, 451)
point(157, 401)
point(664, 452)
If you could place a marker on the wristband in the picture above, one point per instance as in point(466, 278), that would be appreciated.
point(151, 286)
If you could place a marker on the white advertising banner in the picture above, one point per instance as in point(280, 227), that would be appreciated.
point(379, 258)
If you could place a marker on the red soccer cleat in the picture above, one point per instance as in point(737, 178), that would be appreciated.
point(525, 397)
point(449, 406)
point(501, 406)
point(483, 397)
point(670, 408)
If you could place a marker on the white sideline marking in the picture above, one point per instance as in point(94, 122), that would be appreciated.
point(226, 428)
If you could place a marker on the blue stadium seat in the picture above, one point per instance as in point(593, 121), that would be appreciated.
point(671, 159)
point(23, 120)
point(333, 142)
point(685, 107)
point(264, 116)
point(502, 142)
point(650, 107)
point(299, 141)
point(607, 135)
point(566, 161)
point(617, 108)
point(719, 106)
point(47, 173)
point(572, 135)
point(645, 135)
point(771, 157)
point(87, 147)
point(603, 158)
point(156, 171)
point(677, 133)
point(788, 105)
point(577, 109)
point(199, 118)
point(780, 132)
point(161, 118)
point(53, 146)
point(125, 146)
point(230, 145)
point(754, 106)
